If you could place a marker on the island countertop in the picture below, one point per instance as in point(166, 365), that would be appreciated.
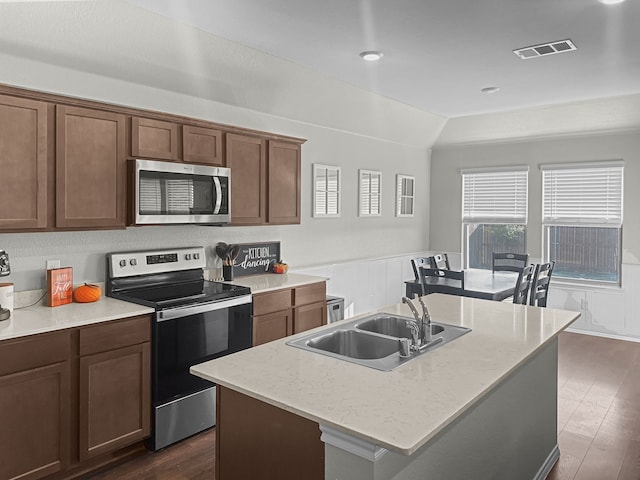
point(402, 409)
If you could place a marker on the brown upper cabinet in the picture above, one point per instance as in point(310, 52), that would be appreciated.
point(265, 180)
point(63, 162)
point(154, 139)
point(161, 140)
point(283, 183)
point(90, 168)
point(247, 158)
point(23, 162)
point(202, 145)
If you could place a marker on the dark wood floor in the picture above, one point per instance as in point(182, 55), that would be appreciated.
point(598, 421)
point(191, 459)
point(598, 409)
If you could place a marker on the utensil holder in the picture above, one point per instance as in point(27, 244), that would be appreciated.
point(227, 272)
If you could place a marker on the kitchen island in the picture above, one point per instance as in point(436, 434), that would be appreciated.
point(482, 406)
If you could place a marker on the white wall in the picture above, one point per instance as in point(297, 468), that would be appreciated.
point(112, 52)
point(610, 311)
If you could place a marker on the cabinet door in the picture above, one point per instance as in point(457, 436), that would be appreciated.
point(272, 326)
point(154, 139)
point(284, 183)
point(309, 316)
point(34, 415)
point(90, 168)
point(23, 163)
point(202, 145)
point(115, 408)
point(247, 159)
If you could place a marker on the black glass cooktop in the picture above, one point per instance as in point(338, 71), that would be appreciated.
point(166, 296)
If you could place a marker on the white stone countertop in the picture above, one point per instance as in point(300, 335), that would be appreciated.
point(274, 281)
point(401, 409)
point(42, 319)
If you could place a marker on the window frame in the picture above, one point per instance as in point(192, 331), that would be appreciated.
point(401, 195)
point(363, 173)
point(326, 214)
point(514, 181)
point(611, 218)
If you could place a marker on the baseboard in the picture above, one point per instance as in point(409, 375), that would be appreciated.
point(605, 335)
point(548, 464)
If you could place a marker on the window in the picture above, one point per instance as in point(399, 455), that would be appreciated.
point(582, 220)
point(370, 188)
point(326, 191)
point(404, 195)
point(494, 213)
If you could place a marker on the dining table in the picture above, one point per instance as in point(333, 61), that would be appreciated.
point(478, 283)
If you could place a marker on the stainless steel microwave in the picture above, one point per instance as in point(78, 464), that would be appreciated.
point(167, 193)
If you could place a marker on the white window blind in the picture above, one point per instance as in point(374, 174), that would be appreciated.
point(582, 194)
point(495, 195)
point(326, 186)
point(404, 195)
point(370, 188)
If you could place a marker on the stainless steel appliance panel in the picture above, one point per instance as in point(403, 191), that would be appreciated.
point(182, 418)
point(172, 193)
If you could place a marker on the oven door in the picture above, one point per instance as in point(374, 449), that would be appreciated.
point(187, 336)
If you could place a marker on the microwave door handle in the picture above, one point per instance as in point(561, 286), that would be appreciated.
point(216, 181)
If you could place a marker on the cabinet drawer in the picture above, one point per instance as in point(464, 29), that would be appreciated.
point(316, 292)
point(112, 335)
point(272, 301)
point(32, 352)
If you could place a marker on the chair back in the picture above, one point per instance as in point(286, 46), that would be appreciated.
point(418, 262)
point(458, 276)
point(441, 260)
point(509, 262)
point(523, 284)
point(540, 284)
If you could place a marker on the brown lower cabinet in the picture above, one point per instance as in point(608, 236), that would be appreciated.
point(283, 312)
point(35, 399)
point(70, 400)
point(255, 440)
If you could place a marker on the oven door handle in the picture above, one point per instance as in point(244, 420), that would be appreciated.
point(179, 312)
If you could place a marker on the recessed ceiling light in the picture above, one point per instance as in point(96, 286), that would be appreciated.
point(490, 89)
point(610, 2)
point(371, 55)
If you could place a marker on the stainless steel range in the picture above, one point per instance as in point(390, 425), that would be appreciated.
point(195, 320)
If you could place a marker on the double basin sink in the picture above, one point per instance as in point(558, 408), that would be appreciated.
point(374, 341)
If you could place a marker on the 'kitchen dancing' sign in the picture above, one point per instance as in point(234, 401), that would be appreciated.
point(256, 258)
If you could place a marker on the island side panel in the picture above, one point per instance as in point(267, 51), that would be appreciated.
point(510, 433)
point(255, 440)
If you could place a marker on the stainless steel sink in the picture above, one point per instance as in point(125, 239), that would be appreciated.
point(373, 341)
point(355, 344)
point(393, 326)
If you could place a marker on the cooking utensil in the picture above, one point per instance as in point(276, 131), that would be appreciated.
point(233, 253)
point(221, 250)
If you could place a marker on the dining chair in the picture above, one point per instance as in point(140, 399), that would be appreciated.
point(456, 275)
point(540, 284)
point(509, 262)
point(418, 262)
point(523, 284)
point(440, 260)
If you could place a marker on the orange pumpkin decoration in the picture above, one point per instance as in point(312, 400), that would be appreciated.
point(87, 293)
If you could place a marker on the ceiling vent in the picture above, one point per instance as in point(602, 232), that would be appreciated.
point(545, 49)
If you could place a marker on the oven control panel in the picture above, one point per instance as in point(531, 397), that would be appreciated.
point(127, 264)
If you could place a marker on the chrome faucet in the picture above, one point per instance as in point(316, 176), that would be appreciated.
point(421, 326)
